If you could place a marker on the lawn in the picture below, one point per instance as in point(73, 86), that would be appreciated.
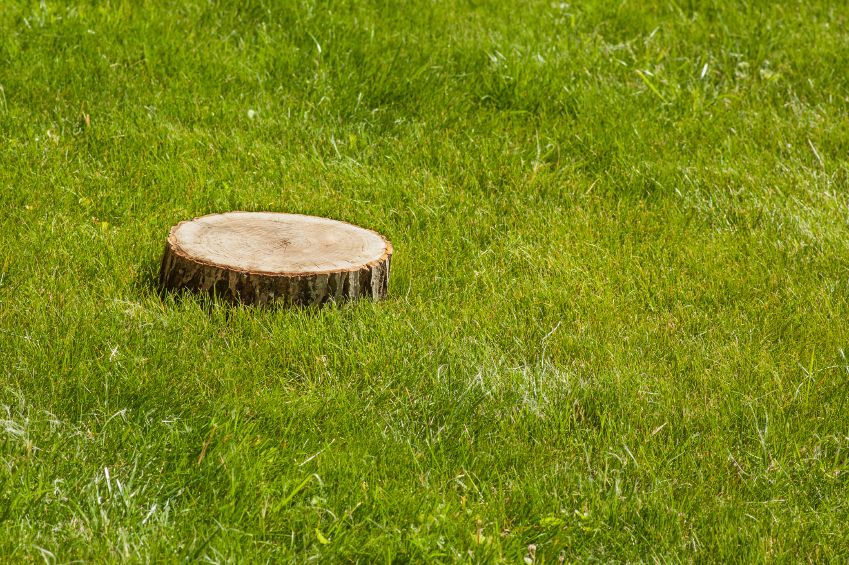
point(616, 327)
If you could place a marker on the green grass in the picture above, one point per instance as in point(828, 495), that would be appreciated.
point(617, 318)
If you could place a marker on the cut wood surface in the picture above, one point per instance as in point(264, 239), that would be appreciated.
point(267, 257)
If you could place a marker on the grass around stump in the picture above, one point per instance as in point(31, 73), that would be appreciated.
point(616, 324)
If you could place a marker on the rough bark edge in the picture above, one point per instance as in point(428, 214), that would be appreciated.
point(180, 271)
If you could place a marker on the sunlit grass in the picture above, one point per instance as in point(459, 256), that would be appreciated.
point(616, 320)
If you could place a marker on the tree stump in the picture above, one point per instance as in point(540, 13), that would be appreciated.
point(265, 257)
